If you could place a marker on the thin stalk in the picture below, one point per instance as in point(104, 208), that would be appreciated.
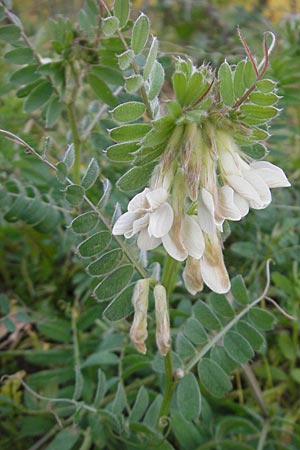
point(263, 436)
point(169, 277)
point(76, 141)
point(255, 388)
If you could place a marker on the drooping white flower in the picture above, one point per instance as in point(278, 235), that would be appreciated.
point(163, 335)
point(209, 214)
point(251, 182)
point(210, 269)
point(138, 331)
point(185, 238)
point(150, 215)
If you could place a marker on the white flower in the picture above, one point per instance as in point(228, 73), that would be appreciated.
point(209, 214)
point(250, 182)
point(210, 269)
point(163, 335)
point(185, 237)
point(138, 331)
point(150, 215)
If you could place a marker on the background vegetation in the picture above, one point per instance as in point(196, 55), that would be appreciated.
point(50, 321)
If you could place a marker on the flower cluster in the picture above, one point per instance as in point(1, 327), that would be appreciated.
point(192, 192)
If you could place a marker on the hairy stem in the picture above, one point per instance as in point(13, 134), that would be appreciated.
point(169, 278)
point(76, 142)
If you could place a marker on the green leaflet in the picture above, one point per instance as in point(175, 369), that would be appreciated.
point(53, 111)
point(261, 113)
point(249, 75)
point(10, 33)
point(120, 400)
point(121, 305)
point(121, 10)
point(156, 80)
point(262, 319)
point(237, 347)
point(65, 439)
point(226, 84)
point(184, 347)
point(252, 335)
point(262, 99)
point(22, 55)
point(206, 317)
point(74, 194)
point(131, 132)
point(213, 377)
point(136, 178)
point(239, 290)
point(180, 87)
point(85, 222)
point(125, 59)
point(122, 152)
point(195, 332)
point(256, 151)
point(114, 282)
point(189, 397)
point(25, 75)
point(110, 25)
point(219, 355)
point(266, 85)
point(95, 244)
point(133, 83)
point(150, 58)
point(140, 34)
point(127, 112)
point(140, 405)
point(221, 306)
point(91, 175)
point(103, 357)
point(38, 96)
point(102, 90)
point(106, 263)
point(238, 81)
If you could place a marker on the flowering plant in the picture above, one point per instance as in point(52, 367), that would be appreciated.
point(194, 147)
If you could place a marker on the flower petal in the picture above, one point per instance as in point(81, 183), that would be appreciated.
point(241, 203)
point(212, 266)
point(140, 223)
point(139, 202)
point(146, 242)
point(157, 197)
point(260, 186)
point(174, 246)
point(206, 210)
point(192, 276)
point(227, 206)
point(124, 223)
point(192, 237)
point(246, 190)
point(272, 175)
point(161, 221)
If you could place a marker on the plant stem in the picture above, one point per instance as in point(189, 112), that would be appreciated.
point(169, 277)
point(76, 141)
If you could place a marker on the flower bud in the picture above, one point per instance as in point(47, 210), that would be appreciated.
point(138, 331)
point(172, 148)
point(162, 320)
